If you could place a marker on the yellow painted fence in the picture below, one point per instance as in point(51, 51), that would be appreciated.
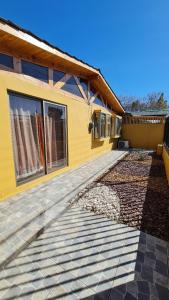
point(166, 161)
point(143, 132)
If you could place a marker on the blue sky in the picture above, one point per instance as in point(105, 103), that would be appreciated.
point(127, 39)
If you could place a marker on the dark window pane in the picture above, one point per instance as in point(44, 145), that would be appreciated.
point(34, 70)
point(99, 101)
point(55, 132)
point(72, 87)
point(27, 136)
point(92, 92)
point(96, 120)
point(109, 107)
point(57, 75)
point(108, 125)
point(102, 125)
point(84, 85)
point(118, 125)
point(6, 60)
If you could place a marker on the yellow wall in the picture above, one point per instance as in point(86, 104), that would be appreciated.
point(166, 161)
point(80, 144)
point(143, 135)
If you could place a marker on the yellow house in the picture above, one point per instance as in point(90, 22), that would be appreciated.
point(56, 111)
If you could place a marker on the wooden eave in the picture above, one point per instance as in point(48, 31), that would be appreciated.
point(26, 46)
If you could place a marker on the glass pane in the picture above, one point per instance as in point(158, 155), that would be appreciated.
point(102, 125)
point(72, 87)
point(99, 101)
point(27, 136)
point(34, 70)
point(84, 85)
point(57, 75)
point(6, 60)
point(112, 126)
point(96, 118)
point(109, 107)
point(118, 126)
point(108, 125)
point(55, 132)
point(92, 91)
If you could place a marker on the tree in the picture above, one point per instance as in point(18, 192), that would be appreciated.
point(135, 105)
point(153, 101)
point(161, 103)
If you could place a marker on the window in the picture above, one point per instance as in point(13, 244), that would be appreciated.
point(99, 125)
point(72, 87)
point(39, 138)
point(84, 84)
point(34, 70)
point(99, 101)
point(108, 125)
point(6, 60)
point(102, 125)
point(27, 136)
point(55, 133)
point(57, 75)
point(109, 107)
point(118, 125)
point(112, 126)
point(92, 91)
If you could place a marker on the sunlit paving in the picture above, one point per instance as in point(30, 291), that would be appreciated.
point(83, 255)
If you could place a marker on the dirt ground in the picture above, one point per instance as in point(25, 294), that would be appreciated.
point(141, 185)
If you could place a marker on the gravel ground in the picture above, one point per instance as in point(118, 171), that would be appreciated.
point(100, 199)
point(134, 192)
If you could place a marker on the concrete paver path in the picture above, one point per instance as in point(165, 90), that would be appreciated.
point(25, 215)
point(82, 255)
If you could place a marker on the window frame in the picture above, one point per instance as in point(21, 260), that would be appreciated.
point(36, 64)
point(47, 171)
point(42, 102)
point(116, 134)
point(97, 131)
point(7, 67)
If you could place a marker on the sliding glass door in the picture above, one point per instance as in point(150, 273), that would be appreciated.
point(27, 136)
point(55, 135)
point(38, 135)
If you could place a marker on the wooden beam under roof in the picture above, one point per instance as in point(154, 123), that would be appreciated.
point(24, 45)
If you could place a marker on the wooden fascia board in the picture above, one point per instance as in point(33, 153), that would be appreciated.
point(114, 96)
point(42, 45)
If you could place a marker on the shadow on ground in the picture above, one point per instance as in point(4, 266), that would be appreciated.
point(83, 255)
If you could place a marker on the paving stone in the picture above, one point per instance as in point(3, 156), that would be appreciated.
point(122, 289)
point(147, 273)
point(115, 294)
point(129, 297)
point(163, 292)
point(143, 296)
point(161, 268)
point(143, 287)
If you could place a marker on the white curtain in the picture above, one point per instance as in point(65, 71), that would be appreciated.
point(27, 142)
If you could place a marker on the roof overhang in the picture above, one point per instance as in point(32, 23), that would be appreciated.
point(24, 44)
